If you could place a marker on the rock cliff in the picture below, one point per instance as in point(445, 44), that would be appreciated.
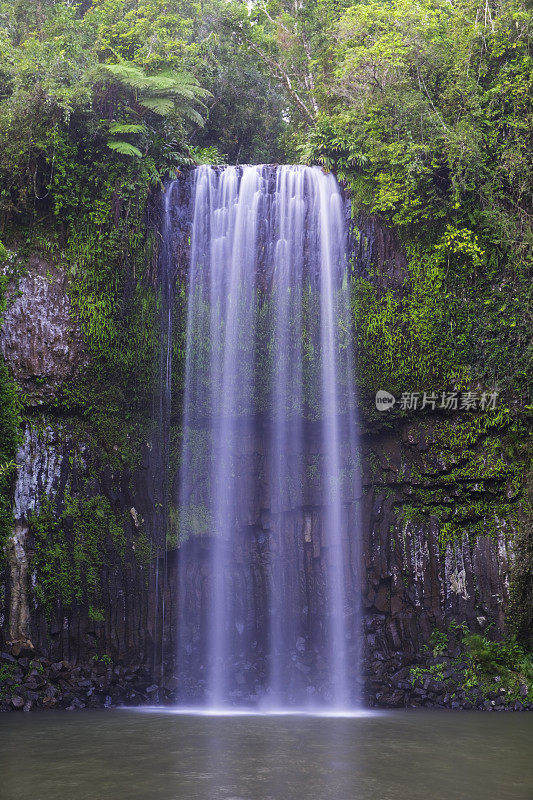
point(85, 576)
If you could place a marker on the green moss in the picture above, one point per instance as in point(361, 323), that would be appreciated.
point(96, 614)
point(142, 548)
point(193, 520)
point(520, 611)
point(10, 435)
point(470, 478)
point(403, 338)
point(71, 547)
point(7, 673)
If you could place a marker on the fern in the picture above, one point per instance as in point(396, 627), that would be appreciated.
point(125, 148)
point(193, 115)
point(118, 127)
point(162, 93)
point(127, 74)
point(159, 105)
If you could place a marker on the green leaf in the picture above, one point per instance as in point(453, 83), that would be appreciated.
point(193, 115)
point(117, 127)
point(125, 148)
point(159, 105)
point(128, 74)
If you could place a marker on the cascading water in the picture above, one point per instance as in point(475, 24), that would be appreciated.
point(269, 472)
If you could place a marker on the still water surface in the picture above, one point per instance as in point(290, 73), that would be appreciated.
point(128, 755)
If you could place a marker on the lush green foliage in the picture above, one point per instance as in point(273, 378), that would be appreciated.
point(71, 87)
point(9, 429)
point(423, 110)
point(100, 103)
point(502, 668)
point(429, 124)
point(85, 88)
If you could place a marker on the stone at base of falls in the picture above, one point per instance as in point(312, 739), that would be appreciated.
point(22, 648)
point(38, 683)
point(411, 686)
point(28, 684)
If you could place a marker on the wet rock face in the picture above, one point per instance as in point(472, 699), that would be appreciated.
point(56, 463)
point(19, 622)
point(62, 459)
point(414, 581)
point(40, 458)
point(377, 254)
point(41, 340)
point(408, 583)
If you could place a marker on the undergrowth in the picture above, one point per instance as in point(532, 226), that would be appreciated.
point(504, 668)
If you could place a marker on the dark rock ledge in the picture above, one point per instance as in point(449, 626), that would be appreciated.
point(30, 683)
point(400, 692)
point(394, 683)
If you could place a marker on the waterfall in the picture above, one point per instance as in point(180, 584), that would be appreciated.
point(269, 477)
point(162, 415)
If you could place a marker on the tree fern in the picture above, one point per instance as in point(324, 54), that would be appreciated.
point(128, 74)
point(159, 105)
point(125, 148)
point(193, 115)
point(119, 127)
point(162, 93)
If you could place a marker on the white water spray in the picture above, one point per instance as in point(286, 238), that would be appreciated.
point(269, 619)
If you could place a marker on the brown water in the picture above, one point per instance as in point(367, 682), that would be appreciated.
point(128, 755)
